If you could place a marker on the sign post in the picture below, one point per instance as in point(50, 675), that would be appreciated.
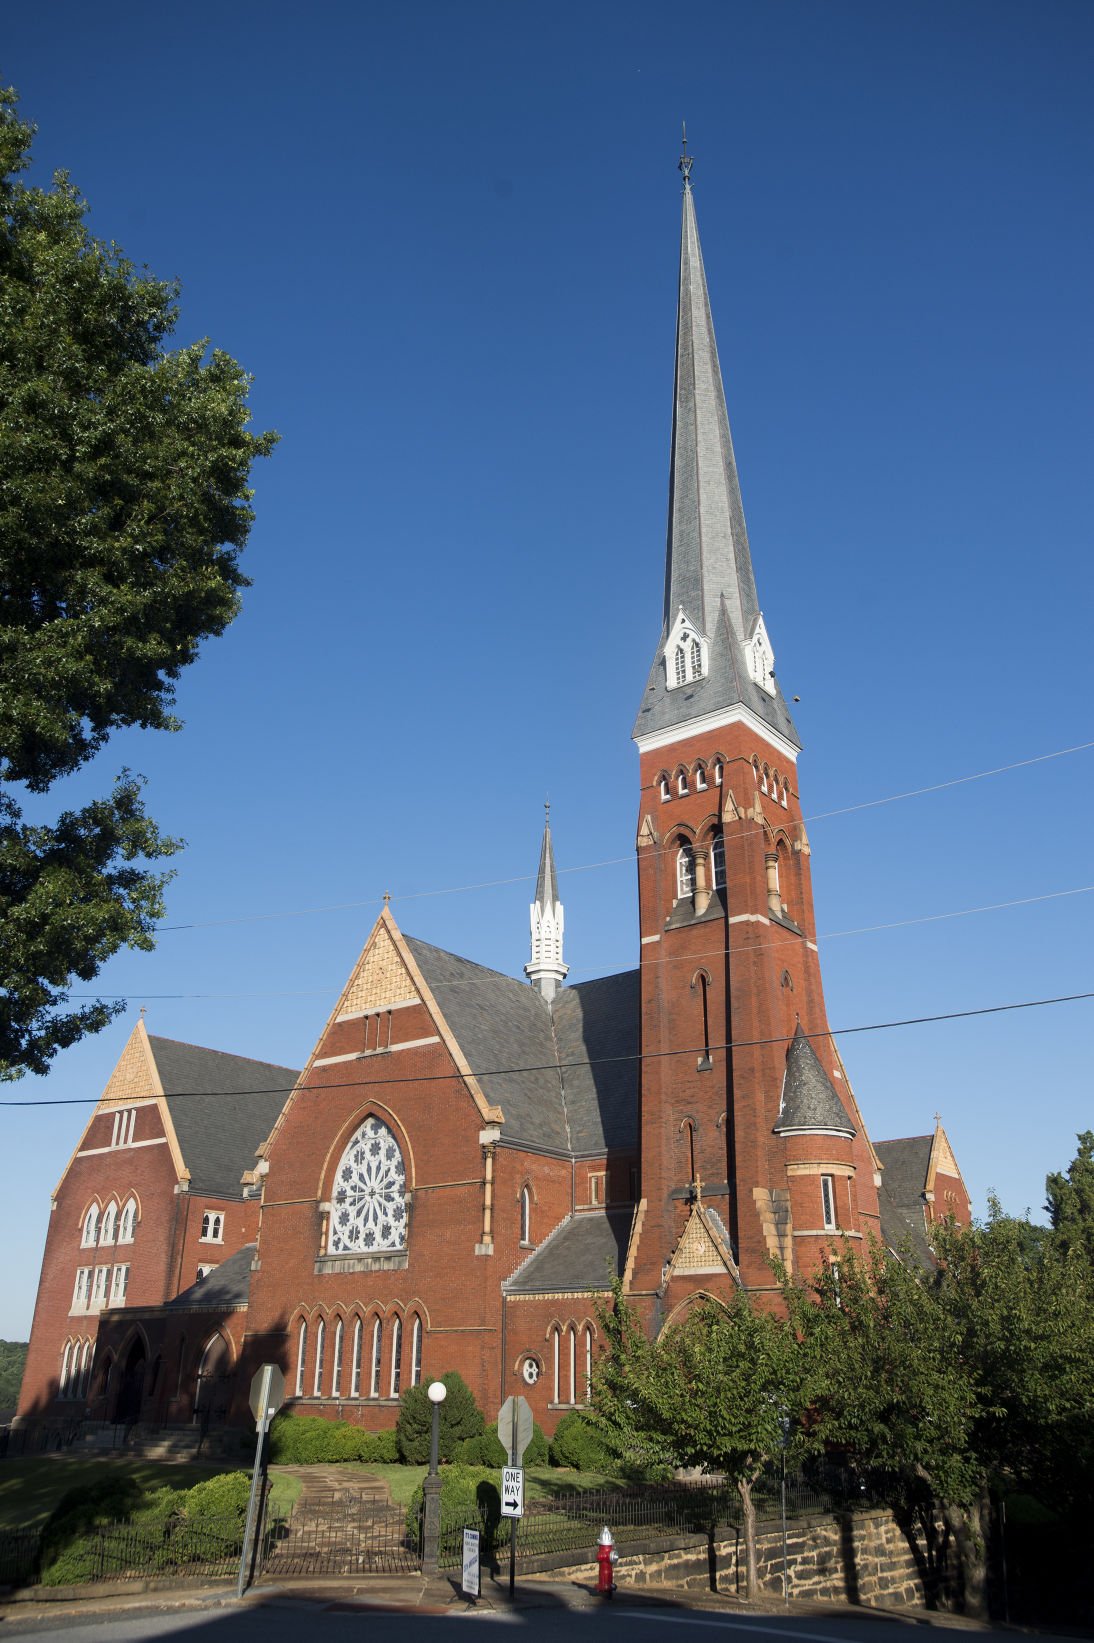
point(514, 1434)
point(266, 1397)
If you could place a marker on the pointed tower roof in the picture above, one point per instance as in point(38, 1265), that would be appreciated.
point(809, 1098)
point(709, 579)
point(545, 969)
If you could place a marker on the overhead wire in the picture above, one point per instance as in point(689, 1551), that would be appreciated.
point(593, 1061)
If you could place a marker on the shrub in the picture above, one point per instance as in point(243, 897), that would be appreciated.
point(460, 1418)
point(223, 1498)
point(578, 1443)
point(382, 1448)
point(469, 1497)
point(487, 1450)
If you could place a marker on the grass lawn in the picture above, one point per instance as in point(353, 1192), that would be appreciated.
point(31, 1487)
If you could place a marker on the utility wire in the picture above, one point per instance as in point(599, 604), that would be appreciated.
point(611, 861)
point(599, 1061)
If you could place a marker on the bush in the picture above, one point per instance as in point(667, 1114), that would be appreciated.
point(224, 1498)
point(578, 1443)
point(469, 1497)
point(460, 1418)
point(487, 1450)
point(305, 1440)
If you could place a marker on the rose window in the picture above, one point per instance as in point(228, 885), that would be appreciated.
point(368, 1212)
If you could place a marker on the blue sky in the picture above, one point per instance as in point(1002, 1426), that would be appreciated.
point(444, 240)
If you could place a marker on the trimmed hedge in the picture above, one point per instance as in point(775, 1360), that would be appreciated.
point(486, 1450)
point(306, 1440)
point(578, 1443)
point(469, 1496)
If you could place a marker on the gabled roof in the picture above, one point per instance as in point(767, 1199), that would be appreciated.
point(900, 1197)
point(228, 1285)
point(708, 563)
point(222, 1108)
point(549, 1068)
point(585, 1252)
point(809, 1098)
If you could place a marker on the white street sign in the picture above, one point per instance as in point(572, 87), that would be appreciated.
point(512, 1491)
point(471, 1562)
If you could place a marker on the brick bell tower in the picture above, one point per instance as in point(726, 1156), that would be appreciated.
point(752, 1144)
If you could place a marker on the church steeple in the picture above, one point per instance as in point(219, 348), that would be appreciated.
point(545, 970)
point(714, 654)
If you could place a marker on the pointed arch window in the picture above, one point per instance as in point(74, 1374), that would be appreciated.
point(526, 1215)
point(718, 862)
point(85, 1375)
point(416, 1353)
point(320, 1342)
point(377, 1353)
point(62, 1385)
point(588, 1363)
point(91, 1226)
point(128, 1222)
point(355, 1375)
point(301, 1357)
point(110, 1223)
point(336, 1368)
point(556, 1346)
point(369, 1208)
point(685, 654)
point(680, 665)
point(685, 872)
point(396, 1356)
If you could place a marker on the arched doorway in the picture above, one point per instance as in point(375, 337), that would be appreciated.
point(131, 1390)
point(213, 1384)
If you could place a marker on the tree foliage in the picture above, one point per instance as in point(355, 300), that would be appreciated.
point(13, 1358)
point(124, 505)
point(460, 1418)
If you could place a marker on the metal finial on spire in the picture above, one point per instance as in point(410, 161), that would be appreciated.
point(686, 160)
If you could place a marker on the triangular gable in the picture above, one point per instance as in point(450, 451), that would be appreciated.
point(386, 975)
point(701, 1249)
point(942, 1160)
point(134, 1079)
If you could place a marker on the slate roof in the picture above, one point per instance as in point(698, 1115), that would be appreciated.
point(708, 571)
point(904, 1166)
point(228, 1285)
point(585, 1252)
point(809, 1098)
point(520, 1050)
point(222, 1106)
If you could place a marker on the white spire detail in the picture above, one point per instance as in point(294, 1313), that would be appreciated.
point(545, 970)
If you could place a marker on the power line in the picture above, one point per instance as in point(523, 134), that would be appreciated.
point(675, 958)
point(598, 1061)
point(611, 861)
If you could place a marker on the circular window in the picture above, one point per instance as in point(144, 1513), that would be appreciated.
point(530, 1371)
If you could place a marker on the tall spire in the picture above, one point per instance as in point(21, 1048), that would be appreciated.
point(545, 970)
point(714, 652)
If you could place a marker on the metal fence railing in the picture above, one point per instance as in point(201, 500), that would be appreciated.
point(209, 1547)
point(340, 1534)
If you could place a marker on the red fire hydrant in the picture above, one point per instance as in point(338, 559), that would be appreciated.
point(605, 1563)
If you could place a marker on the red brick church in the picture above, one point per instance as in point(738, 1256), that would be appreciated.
point(467, 1159)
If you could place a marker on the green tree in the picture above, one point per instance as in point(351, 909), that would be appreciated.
point(712, 1392)
point(124, 505)
point(1070, 1200)
point(460, 1418)
point(13, 1357)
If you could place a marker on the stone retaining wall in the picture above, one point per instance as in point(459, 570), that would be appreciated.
point(854, 1557)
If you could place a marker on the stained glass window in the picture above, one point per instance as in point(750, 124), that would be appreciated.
point(369, 1199)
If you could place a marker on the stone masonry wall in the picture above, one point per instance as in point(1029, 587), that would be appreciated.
point(861, 1557)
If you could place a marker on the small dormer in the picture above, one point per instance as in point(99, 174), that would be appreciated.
point(686, 654)
point(760, 658)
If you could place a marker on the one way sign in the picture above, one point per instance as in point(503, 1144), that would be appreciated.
point(512, 1491)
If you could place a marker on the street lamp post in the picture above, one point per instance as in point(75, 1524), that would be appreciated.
point(431, 1485)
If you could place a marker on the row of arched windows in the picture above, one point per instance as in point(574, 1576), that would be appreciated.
point(76, 1361)
point(357, 1358)
point(113, 1225)
point(700, 776)
point(769, 781)
point(571, 1350)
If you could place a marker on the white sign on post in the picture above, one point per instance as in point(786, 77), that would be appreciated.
point(471, 1562)
point(512, 1491)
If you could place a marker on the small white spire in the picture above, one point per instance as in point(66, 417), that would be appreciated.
point(545, 970)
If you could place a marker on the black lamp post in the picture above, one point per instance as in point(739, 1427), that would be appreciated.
point(431, 1485)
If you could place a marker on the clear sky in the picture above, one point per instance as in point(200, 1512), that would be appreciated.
point(444, 239)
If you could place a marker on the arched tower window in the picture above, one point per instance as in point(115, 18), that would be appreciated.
point(526, 1215)
point(355, 1375)
point(377, 1353)
point(718, 862)
point(369, 1212)
point(128, 1222)
point(396, 1356)
point(91, 1226)
point(320, 1342)
point(685, 872)
point(336, 1368)
point(110, 1224)
point(680, 665)
point(301, 1357)
point(416, 1352)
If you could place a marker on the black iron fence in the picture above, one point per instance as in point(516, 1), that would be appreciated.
point(209, 1548)
point(341, 1534)
point(571, 1523)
